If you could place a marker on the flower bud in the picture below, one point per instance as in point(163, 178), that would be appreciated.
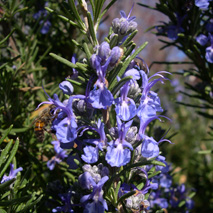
point(124, 24)
point(79, 106)
point(92, 61)
point(116, 25)
point(134, 90)
point(132, 26)
point(116, 54)
point(66, 87)
point(202, 39)
point(104, 51)
point(131, 134)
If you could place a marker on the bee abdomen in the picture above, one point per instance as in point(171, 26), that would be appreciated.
point(39, 130)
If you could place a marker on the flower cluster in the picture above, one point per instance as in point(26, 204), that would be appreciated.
point(172, 29)
point(206, 40)
point(168, 195)
point(43, 18)
point(106, 126)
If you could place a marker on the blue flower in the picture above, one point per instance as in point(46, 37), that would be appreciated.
point(66, 199)
point(173, 30)
point(165, 180)
point(12, 173)
point(150, 102)
point(65, 124)
point(125, 107)
point(202, 39)
point(190, 203)
point(75, 72)
point(45, 23)
point(209, 52)
point(157, 200)
point(60, 155)
point(202, 4)
point(209, 26)
point(91, 152)
point(40, 13)
point(162, 168)
point(117, 153)
point(98, 203)
point(45, 26)
point(149, 148)
point(100, 97)
point(124, 25)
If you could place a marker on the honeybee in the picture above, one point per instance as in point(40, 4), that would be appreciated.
point(44, 119)
point(141, 65)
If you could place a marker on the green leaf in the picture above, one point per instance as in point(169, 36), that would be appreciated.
point(76, 14)
point(114, 41)
point(12, 154)
point(93, 6)
point(74, 82)
point(147, 6)
point(181, 203)
point(6, 184)
point(7, 37)
point(5, 152)
point(83, 67)
point(6, 132)
point(91, 28)
point(192, 194)
point(129, 38)
point(98, 7)
point(65, 19)
point(205, 152)
point(29, 205)
point(63, 60)
point(129, 50)
point(15, 201)
point(120, 84)
point(117, 189)
point(18, 130)
point(154, 174)
point(160, 211)
point(86, 50)
point(206, 115)
point(114, 73)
